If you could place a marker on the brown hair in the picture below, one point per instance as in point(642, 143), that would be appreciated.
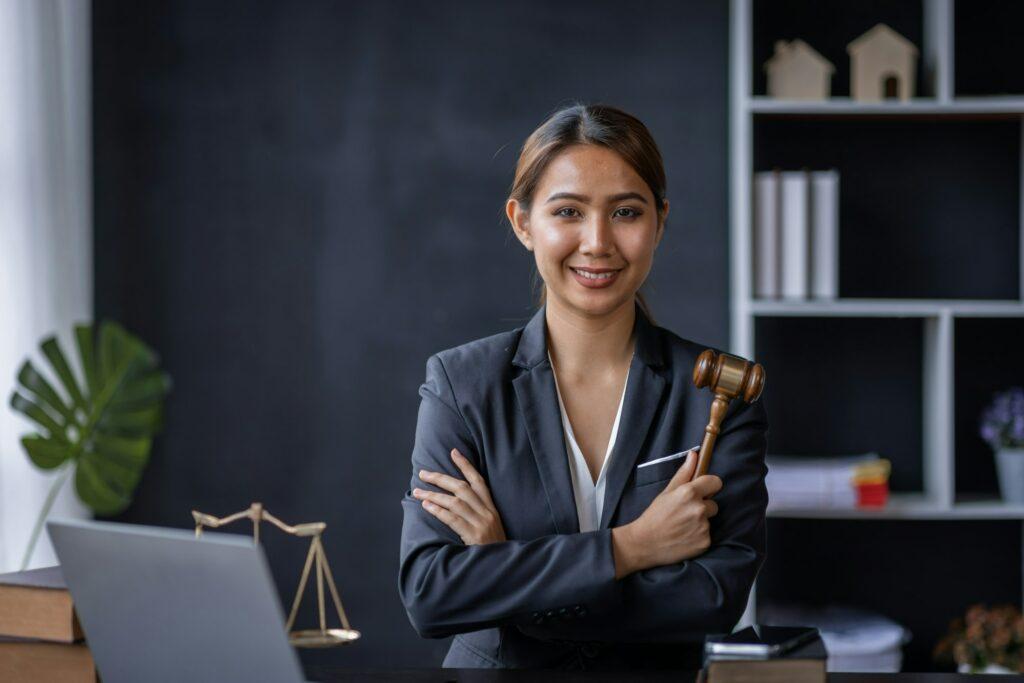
point(593, 124)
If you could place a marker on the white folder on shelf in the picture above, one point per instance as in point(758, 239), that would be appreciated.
point(825, 234)
point(766, 235)
point(795, 234)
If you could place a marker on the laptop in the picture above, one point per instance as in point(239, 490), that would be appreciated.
point(159, 604)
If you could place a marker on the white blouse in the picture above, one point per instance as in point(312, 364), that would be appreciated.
point(589, 494)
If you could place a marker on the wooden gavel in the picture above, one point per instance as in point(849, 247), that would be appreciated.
point(729, 377)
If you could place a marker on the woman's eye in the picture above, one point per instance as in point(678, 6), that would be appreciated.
point(566, 212)
point(630, 212)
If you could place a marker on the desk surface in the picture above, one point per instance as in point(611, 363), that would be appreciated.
point(327, 674)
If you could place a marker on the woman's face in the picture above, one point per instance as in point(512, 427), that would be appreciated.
point(590, 211)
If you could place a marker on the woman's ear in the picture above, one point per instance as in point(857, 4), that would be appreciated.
point(661, 222)
point(519, 217)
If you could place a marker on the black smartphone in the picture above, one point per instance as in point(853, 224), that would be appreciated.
point(759, 642)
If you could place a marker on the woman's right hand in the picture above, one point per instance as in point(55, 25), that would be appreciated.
point(674, 527)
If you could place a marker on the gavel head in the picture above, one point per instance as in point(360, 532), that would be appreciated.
point(728, 375)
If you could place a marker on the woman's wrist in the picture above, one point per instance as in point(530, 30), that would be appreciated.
point(626, 551)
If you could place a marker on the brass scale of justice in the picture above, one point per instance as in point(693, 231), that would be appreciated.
point(728, 376)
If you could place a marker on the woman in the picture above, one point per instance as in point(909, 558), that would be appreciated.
point(553, 520)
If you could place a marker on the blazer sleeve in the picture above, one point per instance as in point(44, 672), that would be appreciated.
point(448, 587)
point(705, 594)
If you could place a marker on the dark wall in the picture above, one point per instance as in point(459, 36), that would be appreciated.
point(297, 203)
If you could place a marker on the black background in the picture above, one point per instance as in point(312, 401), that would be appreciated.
point(297, 203)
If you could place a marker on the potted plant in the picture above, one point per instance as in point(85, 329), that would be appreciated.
point(99, 430)
point(1002, 426)
point(985, 641)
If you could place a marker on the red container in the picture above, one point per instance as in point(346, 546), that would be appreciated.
point(872, 495)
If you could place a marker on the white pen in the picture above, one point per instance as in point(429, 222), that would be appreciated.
point(680, 454)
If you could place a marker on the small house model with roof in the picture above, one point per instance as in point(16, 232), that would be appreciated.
point(796, 71)
point(883, 65)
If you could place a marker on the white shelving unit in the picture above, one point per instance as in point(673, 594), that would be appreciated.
point(938, 500)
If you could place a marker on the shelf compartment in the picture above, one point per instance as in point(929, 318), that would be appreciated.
point(987, 47)
point(987, 358)
point(927, 209)
point(847, 386)
point(828, 27)
point(914, 572)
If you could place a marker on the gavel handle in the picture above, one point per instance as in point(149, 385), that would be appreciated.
point(718, 408)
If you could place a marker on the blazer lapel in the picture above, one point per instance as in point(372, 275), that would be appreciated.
point(644, 391)
point(538, 403)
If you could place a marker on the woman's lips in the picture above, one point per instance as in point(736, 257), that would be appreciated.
point(603, 280)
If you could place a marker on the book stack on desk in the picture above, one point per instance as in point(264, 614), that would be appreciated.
point(40, 637)
point(804, 664)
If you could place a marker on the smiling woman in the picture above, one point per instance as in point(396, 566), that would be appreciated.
point(553, 518)
point(591, 159)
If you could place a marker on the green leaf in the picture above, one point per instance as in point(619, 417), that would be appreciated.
point(142, 390)
point(122, 405)
point(30, 378)
point(87, 356)
point(132, 423)
point(52, 351)
point(32, 411)
point(117, 473)
point(95, 492)
point(45, 453)
point(131, 451)
point(108, 356)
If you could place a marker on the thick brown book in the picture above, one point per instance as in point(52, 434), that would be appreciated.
point(22, 661)
point(36, 604)
point(806, 664)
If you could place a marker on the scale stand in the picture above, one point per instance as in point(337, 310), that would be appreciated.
point(322, 637)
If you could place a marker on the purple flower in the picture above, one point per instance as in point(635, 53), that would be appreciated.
point(1002, 422)
point(990, 433)
point(1017, 434)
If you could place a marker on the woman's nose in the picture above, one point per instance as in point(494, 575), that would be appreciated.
point(597, 236)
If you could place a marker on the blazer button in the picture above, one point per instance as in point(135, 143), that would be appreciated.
point(537, 617)
point(565, 614)
point(550, 614)
point(581, 610)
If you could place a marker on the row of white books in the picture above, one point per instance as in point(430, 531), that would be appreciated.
point(803, 482)
point(796, 234)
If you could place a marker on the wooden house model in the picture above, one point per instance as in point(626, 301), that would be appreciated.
point(797, 71)
point(883, 65)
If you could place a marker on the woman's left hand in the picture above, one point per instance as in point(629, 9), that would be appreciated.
point(470, 512)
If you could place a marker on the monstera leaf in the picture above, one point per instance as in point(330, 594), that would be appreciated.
point(101, 429)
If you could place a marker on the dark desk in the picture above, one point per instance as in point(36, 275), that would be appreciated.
point(328, 674)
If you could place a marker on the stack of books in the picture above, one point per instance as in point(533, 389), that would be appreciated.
point(804, 664)
point(796, 234)
point(40, 637)
point(858, 481)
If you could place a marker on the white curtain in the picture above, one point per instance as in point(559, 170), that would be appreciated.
point(45, 232)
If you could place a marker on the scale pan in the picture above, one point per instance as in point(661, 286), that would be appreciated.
point(316, 638)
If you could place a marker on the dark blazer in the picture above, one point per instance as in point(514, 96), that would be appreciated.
point(547, 597)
